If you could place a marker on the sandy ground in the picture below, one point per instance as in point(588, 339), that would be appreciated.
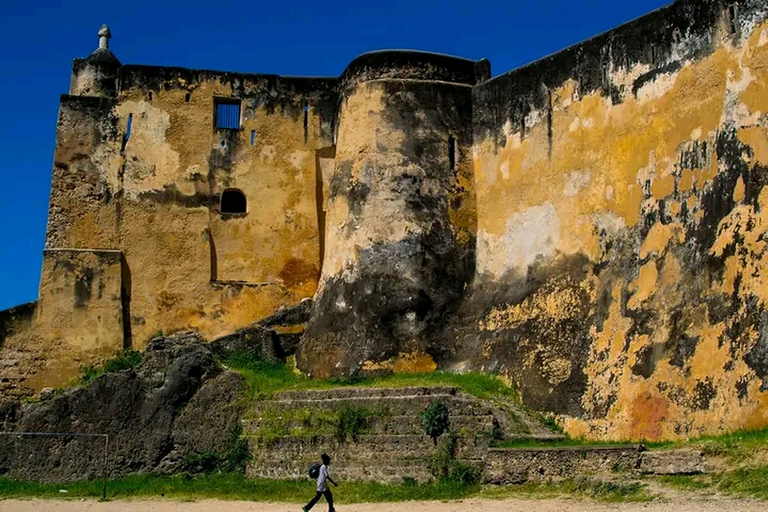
point(429, 506)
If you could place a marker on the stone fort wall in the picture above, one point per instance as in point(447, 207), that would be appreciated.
point(589, 226)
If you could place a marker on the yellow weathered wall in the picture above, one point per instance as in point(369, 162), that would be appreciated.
point(78, 319)
point(170, 234)
point(600, 222)
point(154, 198)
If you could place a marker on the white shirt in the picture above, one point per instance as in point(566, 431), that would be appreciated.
point(322, 477)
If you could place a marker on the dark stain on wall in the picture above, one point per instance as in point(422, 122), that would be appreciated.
point(646, 359)
point(757, 357)
point(647, 40)
point(297, 272)
point(526, 351)
point(703, 394)
point(342, 185)
point(384, 312)
point(83, 287)
point(172, 195)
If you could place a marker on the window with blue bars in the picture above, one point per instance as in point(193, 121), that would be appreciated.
point(228, 115)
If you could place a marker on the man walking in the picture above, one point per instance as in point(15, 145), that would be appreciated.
point(323, 477)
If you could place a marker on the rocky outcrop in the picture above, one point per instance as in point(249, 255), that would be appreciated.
point(176, 402)
point(272, 338)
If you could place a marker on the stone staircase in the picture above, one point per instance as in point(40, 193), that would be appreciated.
point(384, 438)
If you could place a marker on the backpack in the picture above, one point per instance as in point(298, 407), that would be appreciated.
point(314, 471)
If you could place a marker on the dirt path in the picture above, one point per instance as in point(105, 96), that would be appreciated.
point(472, 505)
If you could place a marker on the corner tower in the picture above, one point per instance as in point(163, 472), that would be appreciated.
point(96, 75)
point(400, 216)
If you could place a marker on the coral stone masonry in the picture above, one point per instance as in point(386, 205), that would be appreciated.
point(590, 226)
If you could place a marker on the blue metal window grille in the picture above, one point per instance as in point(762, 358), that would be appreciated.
point(228, 116)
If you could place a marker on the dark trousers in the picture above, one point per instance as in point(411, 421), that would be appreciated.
point(328, 497)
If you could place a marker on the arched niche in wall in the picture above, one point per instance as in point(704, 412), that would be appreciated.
point(233, 201)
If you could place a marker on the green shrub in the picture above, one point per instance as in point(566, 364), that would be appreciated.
point(352, 421)
point(462, 473)
point(450, 470)
point(440, 462)
point(435, 420)
point(205, 462)
point(238, 452)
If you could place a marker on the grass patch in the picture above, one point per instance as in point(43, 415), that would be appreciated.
point(742, 483)
point(736, 447)
point(556, 443)
point(570, 441)
point(123, 360)
point(607, 492)
point(234, 486)
point(265, 379)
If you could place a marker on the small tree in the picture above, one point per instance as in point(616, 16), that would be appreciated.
point(435, 421)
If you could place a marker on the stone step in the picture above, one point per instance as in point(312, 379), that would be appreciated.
point(389, 471)
point(460, 424)
point(406, 405)
point(518, 465)
point(395, 425)
point(344, 471)
point(363, 392)
point(366, 447)
point(546, 436)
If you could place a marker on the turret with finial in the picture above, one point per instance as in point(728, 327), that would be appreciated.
point(97, 74)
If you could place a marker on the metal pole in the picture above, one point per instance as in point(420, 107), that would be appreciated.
point(106, 466)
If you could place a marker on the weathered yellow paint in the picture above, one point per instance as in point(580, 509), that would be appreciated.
point(659, 237)
point(416, 362)
point(624, 148)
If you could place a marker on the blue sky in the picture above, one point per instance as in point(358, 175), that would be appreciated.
point(39, 39)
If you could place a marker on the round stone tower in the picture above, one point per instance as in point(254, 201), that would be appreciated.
point(400, 217)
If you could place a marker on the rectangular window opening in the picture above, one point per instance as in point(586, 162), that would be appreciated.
point(452, 152)
point(253, 137)
point(128, 127)
point(187, 97)
point(227, 113)
point(306, 122)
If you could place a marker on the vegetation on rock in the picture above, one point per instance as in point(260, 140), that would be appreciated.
point(123, 360)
